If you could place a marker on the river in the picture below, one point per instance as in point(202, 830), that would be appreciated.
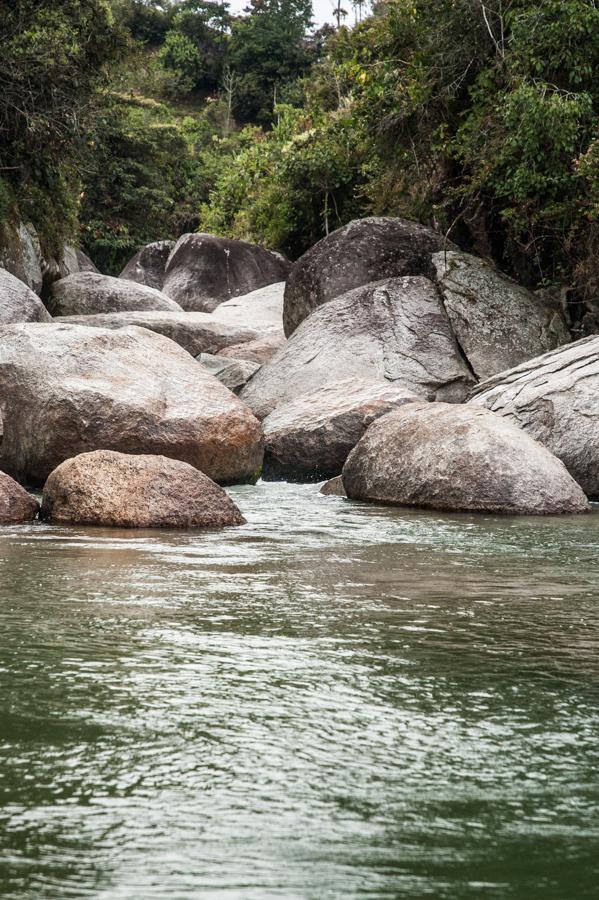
point(337, 700)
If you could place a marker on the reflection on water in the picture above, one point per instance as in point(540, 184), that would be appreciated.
point(336, 701)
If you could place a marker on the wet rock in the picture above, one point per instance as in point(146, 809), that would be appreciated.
point(89, 293)
point(310, 438)
point(67, 389)
point(458, 457)
point(260, 350)
point(497, 322)
point(233, 373)
point(16, 505)
point(148, 264)
point(364, 251)
point(18, 303)
point(395, 330)
point(555, 399)
point(333, 487)
point(123, 491)
point(195, 332)
point(204, 270)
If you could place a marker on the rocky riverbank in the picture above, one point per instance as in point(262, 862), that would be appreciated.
point(385, 357)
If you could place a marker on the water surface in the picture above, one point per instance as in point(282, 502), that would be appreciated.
point(335, 701)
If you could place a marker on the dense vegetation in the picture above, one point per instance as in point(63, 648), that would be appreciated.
point(129, 121)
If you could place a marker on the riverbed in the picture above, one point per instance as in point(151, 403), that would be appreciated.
point(338, 700)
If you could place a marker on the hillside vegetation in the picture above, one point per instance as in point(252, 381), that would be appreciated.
point(123, 122)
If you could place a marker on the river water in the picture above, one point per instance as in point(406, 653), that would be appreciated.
point(336, 701)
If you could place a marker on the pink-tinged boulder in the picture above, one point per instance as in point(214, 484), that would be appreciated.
point(259, 350)
point(462, 458)
point(309, 438)
point(67, 389)
point(16, 505)
point(204, 270)
point(119, 490)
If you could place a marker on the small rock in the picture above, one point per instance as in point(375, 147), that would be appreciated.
point(119, 490)
point(333, 487)
point(233, 373)
point(259, 350)
point(462, 458)
point(16, 505)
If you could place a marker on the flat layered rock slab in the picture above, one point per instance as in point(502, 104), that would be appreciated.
point(196, 332)
point(16, 505)
point(311, 437)
point(259, 350)
point(90, 293)
point(68, 389)
point(497, 322)
point(204, 270)
point(365, 250)
point(18, 303)
point(394, 330)
point(555, 399)
point(119, 490)
point(462, 458)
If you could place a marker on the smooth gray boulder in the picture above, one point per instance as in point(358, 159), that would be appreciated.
point(16, 505)
point(394, 330)
point(90, 293)
point(261, 309)
point(120, 490)
point(67, 389)
point(333, 487)
point(497, 322)
point(195, 332)
point(18, 303)
point(361, 252)
point(204, 270)
point(148, 264)
point(233, 373)
point(458, 457)
point(310, 438)
point(555, 399)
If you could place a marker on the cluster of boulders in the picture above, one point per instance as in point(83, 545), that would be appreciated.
point(386, 360)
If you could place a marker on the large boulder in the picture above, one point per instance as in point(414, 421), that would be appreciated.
point(18, 303)
point(148, 264)
point(463, 458)
point(75, 260)
point(366, 250)
point(395, 330)
point(16, 505)
point(204, 270)
point(497, 322)
point(123, 491)
point(195, 332)
point(67, 389)
point(90, 293)
point(310, 438)
point(555, 399)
